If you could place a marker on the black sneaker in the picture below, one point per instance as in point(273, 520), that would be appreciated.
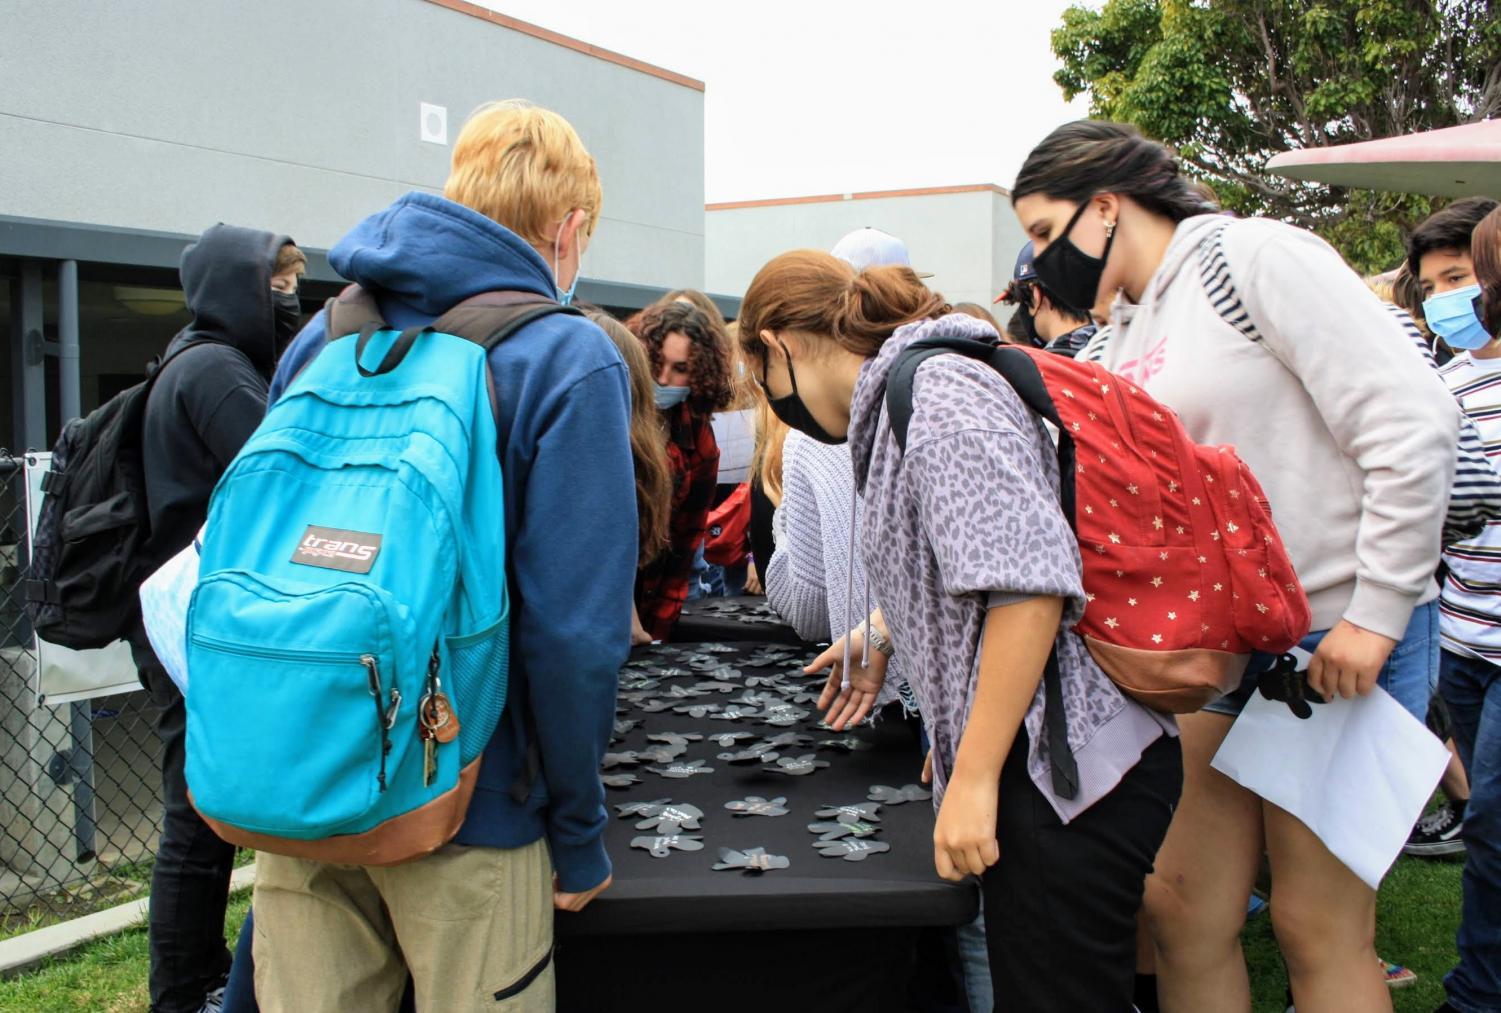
point(1437, 834)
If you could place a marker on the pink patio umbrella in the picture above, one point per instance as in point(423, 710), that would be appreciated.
point(1451, 162)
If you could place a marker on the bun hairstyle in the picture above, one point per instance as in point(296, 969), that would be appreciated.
point(1085, 158)
point(815, 293)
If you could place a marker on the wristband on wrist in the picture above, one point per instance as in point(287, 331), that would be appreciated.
point(880, 641)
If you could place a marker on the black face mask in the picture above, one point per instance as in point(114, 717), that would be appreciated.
point(1027, 321)
point(1070, 275)
point(790, 409)
point(286, 320)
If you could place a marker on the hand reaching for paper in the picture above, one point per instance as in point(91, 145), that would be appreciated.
point(849, 705)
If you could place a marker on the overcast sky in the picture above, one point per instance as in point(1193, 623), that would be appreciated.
point(818, 96)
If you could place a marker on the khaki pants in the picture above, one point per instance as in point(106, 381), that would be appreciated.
point(470, 924)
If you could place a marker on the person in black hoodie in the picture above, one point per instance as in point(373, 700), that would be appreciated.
point(241, 287)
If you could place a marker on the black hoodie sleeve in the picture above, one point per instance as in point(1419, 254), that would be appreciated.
point(225, 402)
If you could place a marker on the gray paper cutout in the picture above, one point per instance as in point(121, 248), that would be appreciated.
point(752, 860)
point(661, 847)
point(861, 812)
point(851, 849)
point(897, 796)
point(755, 805)
point(687, 768)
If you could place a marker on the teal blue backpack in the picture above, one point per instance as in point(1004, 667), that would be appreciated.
point(347, 640)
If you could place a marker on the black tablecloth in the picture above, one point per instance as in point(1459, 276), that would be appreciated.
point(822, 934)
point(681, 893)
point(743, 618)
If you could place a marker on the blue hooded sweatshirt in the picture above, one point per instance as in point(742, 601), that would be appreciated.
point(571, 540)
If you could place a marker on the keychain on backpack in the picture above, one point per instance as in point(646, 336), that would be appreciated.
point(437, 723)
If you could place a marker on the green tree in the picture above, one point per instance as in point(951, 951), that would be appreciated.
point(1230, 83)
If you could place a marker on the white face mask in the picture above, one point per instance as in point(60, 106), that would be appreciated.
point(565, 296)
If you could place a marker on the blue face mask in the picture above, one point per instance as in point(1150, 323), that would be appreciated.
point(670, 397)
point(1452, 317)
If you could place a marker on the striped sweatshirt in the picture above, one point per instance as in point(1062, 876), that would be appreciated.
point(1470, 604)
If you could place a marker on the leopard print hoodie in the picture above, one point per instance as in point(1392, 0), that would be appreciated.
point(968, 519)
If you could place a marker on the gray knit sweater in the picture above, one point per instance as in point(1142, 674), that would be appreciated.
point(808, 578)
point(812, 530)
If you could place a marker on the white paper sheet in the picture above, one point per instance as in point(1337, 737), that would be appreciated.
point(1357, 773)
point(165, 597)
point(735, 432)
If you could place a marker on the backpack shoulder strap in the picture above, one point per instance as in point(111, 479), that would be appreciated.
point(155, 367)
point(350, 312)
point(904, 374)
point(486, 319)
point(1016, 366)
point(489, 318)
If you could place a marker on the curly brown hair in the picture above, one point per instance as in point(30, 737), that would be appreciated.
point(708, 359)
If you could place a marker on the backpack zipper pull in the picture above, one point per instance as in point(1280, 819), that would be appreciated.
point(383, 718)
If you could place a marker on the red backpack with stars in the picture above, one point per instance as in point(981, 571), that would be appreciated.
point(1183, 567)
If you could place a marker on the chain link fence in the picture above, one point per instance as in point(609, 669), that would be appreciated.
point(80, 787)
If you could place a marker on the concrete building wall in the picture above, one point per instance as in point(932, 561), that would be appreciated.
point(966, 236)
point(171, 115)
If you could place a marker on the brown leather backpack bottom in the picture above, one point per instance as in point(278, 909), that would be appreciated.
point(1173, 682)
point(405, 838)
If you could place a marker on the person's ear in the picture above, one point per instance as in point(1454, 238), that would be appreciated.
point(789, 344)
point(570, 233)
point(1109, 205)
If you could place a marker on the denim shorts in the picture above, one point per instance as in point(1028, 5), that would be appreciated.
point(1408, 674)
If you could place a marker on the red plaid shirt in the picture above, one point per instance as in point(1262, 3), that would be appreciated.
point(662, 587)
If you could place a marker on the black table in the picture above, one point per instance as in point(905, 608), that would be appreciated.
point(743, 618)
point(823, 933)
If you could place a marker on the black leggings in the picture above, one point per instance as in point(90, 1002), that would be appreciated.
point(1060, 905)
point(190, 881)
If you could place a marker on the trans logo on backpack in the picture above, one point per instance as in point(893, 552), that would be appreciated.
point(353, 551)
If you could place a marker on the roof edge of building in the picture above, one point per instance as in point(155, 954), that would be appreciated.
point(568, 42)
point(829, 198)
point(52, 239)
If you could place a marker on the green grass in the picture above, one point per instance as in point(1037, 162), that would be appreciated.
point(1416, 920)
point(107, 976)
point(1416, 917)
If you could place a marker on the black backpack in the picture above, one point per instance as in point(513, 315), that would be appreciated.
point(90, 553)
